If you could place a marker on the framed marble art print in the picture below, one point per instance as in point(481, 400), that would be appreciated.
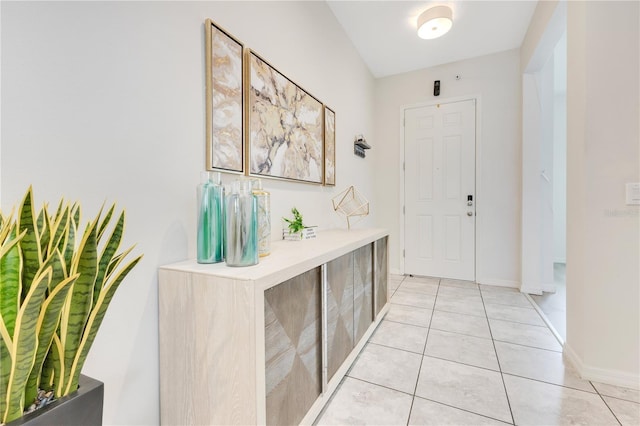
point(225, 112)
point(285, 126)
point(329, 146)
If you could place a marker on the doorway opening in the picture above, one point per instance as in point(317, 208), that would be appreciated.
point(544, 176)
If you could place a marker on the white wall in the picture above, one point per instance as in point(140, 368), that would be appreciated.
point(496, 79)
point(603, 152)
point(560, 179)
point(560, 152)
point(546, 176)
point(537, 37)
point(106, 101)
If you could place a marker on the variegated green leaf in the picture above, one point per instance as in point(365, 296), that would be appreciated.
point(59, 229)
point(95, 320)
point(59, 272)
point(75, 209)
point(70, 244)
point(47, 325)
point(6, 224)
point(105, 221)
point(30, 244)
point(76, 312)
point(24, 345)
point(47, 377)
point(107, 255)
point(10, 283)
point(70, 247)
point(61, 205)
point(5, 366)
point(44, 232)
point(53, 370)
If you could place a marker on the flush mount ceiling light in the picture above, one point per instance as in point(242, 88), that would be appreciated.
point(434, 22)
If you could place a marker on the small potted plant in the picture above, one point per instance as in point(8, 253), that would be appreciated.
point(296, 229)
point(56, 283)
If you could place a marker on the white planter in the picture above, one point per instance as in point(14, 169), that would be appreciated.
point(305, 234)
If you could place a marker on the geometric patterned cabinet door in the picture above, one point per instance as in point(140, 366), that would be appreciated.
point(363, 290)
point(339, 301)
point(293, 349)
point(381, 273)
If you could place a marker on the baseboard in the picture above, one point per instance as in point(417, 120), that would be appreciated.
point(595, 374)
point(531, 290)
point(395, 271)
point(548, 287)
point(498, 282)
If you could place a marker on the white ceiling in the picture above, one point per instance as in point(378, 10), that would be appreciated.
point(384, 32)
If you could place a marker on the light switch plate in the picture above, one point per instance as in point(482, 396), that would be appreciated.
point(633, 194)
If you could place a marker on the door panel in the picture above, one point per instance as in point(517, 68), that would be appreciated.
point(425, 180)
point(339, 312)
point(452, 158)
point(381, 274)
point(439, 175)
point(293, 376)
point(363, 291)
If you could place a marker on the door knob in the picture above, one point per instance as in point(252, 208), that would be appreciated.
point(469, 213)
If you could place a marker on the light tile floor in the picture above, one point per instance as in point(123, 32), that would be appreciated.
point(457, 353)
point(554, 305)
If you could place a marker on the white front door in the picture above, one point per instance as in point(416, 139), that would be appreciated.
point(439, 156)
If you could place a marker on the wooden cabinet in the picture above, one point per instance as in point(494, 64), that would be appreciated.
point(339, 300)
point(268, 344)
point(349, 298)
point(363, 290)
point(381, 274)
point(293, 347)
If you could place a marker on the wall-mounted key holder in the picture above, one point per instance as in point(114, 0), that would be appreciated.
point(359, 146)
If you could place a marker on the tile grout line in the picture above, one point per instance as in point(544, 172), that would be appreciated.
point(462, 409)
point(424, 348)
point(378, 385)
point(462, 363)
point(527, 346)
point(549, 383)
point(504, 385)
point(605, 403)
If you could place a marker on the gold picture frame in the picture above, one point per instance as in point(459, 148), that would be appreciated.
point(285, 125)
point(225, 96)
point(329, 147)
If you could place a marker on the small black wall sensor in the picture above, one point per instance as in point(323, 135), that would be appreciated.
point(436, 88)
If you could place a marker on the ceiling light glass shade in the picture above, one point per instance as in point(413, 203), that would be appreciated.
point(434, 22)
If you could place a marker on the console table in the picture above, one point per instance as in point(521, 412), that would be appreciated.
point(268, 344)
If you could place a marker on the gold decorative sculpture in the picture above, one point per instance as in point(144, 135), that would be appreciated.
point(351, 204)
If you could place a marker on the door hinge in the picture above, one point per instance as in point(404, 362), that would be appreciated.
point(404, 210)
point(403, 166)
point(402, 252)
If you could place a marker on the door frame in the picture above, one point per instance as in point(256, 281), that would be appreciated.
point(478, 174)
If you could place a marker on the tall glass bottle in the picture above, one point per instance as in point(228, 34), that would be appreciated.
point(264, 218)
point(241, 216)
point(210, 219)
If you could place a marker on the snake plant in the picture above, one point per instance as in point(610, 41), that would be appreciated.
point(55, 286)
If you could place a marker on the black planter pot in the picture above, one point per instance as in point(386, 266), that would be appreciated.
point(80, 408)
